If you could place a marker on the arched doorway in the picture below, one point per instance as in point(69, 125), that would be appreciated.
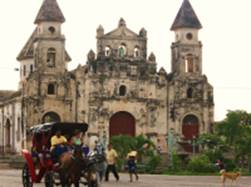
point(122, 123)
point(7, 134)
point(51, 117)
point(190, 131)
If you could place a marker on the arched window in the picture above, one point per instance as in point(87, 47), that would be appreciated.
point(51, 89)
point(24, 70)
point(210, 97)
point(189, 93)
point(51, 57)
point(136, 52)
point(122, 50)
point(107, 51)
point(189, 67)
point(122, 90)
point(31, 68)
point(8, 133)
point(18, 129)
point(51, 117)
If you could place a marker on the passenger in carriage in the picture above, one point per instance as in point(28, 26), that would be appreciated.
point(40, 146)
point(76, 139)
point(58, 145)
point(36, 144)
point(76, 142)
point(85, 149)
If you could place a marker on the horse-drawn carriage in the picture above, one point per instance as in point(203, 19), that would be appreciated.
point(40, 165)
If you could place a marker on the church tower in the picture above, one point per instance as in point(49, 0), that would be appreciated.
point(186, 50)
point(44, 80)
point(190, 96)
point(49, 47)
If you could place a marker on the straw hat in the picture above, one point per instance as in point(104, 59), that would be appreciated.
point(132, 154)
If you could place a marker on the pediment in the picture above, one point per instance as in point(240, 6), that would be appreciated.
point(122, 31)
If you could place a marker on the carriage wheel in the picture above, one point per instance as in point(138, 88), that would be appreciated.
point(49, 181)
point(26, 177)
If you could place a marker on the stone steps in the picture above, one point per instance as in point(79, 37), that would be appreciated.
point(11, 162)
point(4, 166)
point(163, 164)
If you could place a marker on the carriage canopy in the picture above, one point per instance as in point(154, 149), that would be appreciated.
point(66, 128)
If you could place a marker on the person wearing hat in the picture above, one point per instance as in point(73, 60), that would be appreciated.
point(131, 164)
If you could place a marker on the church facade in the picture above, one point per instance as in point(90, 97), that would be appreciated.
point(118, 90)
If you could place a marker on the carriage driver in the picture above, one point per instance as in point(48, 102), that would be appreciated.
point(58, 145)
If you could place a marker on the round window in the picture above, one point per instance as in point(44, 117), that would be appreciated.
point(189, 36)
point(51, 29)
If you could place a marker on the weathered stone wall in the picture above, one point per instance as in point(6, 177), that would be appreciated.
point(11, 129)
point(91, 93)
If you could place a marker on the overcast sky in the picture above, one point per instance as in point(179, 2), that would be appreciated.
point(226, 38)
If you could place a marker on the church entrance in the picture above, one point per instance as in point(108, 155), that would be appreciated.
point(50, 117)
point(122, 123)
point(190, 131)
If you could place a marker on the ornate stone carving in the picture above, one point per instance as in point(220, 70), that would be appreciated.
point(100, 31)
point(91, 56)
point(143, 32)
point(152, 57)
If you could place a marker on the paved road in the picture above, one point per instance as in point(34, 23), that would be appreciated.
point(11, 178)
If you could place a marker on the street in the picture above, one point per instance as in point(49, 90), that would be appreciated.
point(12, 178)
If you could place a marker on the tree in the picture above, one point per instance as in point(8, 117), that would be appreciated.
point(236, 131)
point(212, 145)
point(231, 127)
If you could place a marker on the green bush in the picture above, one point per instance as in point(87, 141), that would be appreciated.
point(229, 164)
point(213, 155)
point(153, 162)
point(200, 163)
point(177, 164)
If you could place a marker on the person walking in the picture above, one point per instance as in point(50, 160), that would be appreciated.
point(111, 158)
point(101, 166)
point(131, 165)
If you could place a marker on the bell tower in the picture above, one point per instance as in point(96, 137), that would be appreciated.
point(186, 50)
point(190, 96)
point(44, 80)
point(44, 52)
point(49, 46)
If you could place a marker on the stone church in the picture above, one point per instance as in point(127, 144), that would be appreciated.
point(118, 91)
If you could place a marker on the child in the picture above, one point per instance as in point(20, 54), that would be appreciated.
point(220, 165)
point(131, 164)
